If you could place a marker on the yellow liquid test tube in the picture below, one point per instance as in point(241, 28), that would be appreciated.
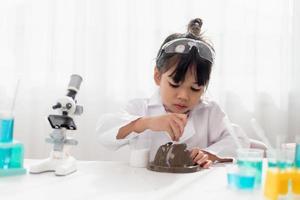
point(283, 185)
point(272, 184)
point(277, 183)
point(296, 181)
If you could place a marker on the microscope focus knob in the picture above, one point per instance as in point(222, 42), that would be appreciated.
point(68, 106)
point(58, 105)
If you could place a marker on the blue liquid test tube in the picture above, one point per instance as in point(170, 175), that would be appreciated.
point(297, 155)
point(6, 136)
point(6, 130)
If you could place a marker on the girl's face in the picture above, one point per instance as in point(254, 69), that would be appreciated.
point(178, 97)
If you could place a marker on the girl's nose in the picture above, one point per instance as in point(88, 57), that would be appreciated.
point(182, 95)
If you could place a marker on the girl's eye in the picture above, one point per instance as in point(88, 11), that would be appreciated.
point(196, 89)
point(173, 85)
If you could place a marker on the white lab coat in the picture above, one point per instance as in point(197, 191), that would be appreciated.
point(206, 128)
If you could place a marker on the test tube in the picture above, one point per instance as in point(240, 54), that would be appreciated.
point(6, 127)
point(296, 172)
point(297, 153)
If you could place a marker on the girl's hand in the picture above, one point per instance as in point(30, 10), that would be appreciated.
point(173, 123)
point(201, 158)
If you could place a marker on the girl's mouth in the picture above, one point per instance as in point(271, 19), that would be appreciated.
point(180, 107)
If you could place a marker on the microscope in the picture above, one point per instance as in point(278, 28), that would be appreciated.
point(60, 161)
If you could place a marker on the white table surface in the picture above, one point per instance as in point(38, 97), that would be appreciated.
point(117, 180)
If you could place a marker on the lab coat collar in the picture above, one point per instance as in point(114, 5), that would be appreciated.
point(203, 103)
point(155, 99)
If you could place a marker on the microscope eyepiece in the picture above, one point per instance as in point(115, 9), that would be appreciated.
point(75, 82)
point(74, 85)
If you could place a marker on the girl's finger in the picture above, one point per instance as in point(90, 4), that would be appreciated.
point(194, 153)
point(199, 156)
point(175, 129)
point(171, 134)
point(179, 123)
point(207, 164)
point(182, 117)
point(203, 159)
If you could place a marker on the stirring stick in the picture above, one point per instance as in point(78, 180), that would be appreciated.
point(15, 97)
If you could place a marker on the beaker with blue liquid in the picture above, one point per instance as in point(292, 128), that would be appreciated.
point(11, 152)
point(246, 175)
point(252, 160)
point(11, 155)
point(240, 178)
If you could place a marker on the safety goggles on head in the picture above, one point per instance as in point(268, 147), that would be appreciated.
point(184, 46)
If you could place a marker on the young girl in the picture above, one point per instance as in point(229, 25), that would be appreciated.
point(177, 111)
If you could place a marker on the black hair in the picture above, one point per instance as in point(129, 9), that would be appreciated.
point(184, 62)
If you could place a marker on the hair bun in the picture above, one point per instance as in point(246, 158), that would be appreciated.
point(194, 27)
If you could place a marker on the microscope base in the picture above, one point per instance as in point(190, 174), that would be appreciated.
point(60, 166)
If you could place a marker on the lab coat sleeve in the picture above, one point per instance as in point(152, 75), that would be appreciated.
point(109, 124)
point(220, 141)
